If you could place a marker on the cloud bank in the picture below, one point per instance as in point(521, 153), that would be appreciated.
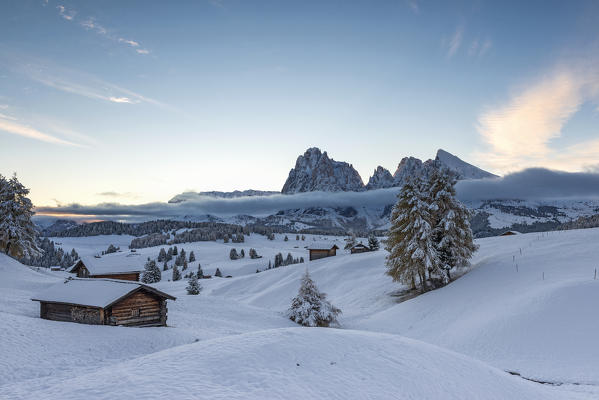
point(530, 184)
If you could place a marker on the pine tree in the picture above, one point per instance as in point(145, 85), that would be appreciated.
point(289, 260)
point(242, 253)
point(218, 273)
point(161, 255)
point(176, 274)
point(254, 254)
point(233, 254)
point(165, 266)
point(200, 273)
point(310, 307)
point(226, 239)
point(175, 251)
point(192, 257)
point(278, 260)
point(184, 265)
point(269, 264)
point(193, 286)
point(296, 237)
point(303, 237)
point(451, 231)
point(373, 242)
point(409, 242)
point(151, 273)
point(286, 238)
point(17, 231)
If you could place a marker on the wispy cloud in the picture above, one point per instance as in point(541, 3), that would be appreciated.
point(518, 134)
point(131, 43)
point(479, 48)
point(72, 81)
point(454, 43)
point(120, 100)
point(90, 24)
point(15, 128)
point(129, 195)
point(66, 14)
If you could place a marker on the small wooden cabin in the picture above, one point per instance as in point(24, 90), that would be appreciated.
point(359, 248)
point(127, 267)
point(510, 233)
point(104, 302)
point(322, 250)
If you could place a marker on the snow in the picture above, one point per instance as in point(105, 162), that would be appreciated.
point(120, 262)
point(87, 292)
point(234, 341)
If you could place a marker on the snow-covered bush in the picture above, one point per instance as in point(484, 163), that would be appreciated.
point(310, 307)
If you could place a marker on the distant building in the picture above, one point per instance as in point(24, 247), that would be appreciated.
point(104, 302)
point(322, 250)
point(125, 266)
point(510, 233)
point(359, 248)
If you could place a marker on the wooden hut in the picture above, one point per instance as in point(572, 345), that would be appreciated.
point(127, 267)
point(359, 248)
point(510, 233)
point(104, 302)
point(322, 250)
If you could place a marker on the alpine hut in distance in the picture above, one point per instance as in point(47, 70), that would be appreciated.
point(126, 267)
point(104, 302)
point(322, 249)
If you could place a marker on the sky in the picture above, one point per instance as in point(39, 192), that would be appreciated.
point(134, 102)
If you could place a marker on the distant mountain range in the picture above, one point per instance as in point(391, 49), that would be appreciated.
point(316, 171)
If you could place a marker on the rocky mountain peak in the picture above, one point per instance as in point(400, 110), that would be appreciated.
point(381, 178)
point(314, 170)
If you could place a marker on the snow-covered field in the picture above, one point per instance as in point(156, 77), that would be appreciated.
point(233, 341)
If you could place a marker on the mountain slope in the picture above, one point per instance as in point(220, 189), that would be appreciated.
point(461, 168)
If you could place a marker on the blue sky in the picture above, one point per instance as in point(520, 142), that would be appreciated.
point(137, 101)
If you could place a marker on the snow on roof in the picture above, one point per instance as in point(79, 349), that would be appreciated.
point(91, 292)
point(113, 263)
point(322, 246)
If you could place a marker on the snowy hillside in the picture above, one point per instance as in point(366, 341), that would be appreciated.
point(232, 341)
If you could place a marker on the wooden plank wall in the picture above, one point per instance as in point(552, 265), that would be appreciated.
point(140, 308)
point(134, 276)
point(70, 313)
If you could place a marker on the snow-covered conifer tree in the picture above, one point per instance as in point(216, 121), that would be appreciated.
point(193, 286)
point(310, 307)
point(165, 266)
point(17, 231)
point(192, 257)
point(286, 239)
point(451, 231)
point(151, 273)
point(233, 254)
point(200, 273)
point(242, 253)
point(218, 273)
point(373, 242)
point(176, 273)
point(161, 255)
point(409, 242)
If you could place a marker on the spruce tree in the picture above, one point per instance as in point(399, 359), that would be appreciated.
point(176, 274)
point(192, 257)
point(218, 273)
point(451, 232)
point(17, 231)
point(233, 254)
point(286, 238)
point(409, 242)
point(200, 273)
point(242, 253)
point(165, 266)
point(373, 242)
point(161, 255)
point(310, 307)
point(151, 273)
point(193, 286)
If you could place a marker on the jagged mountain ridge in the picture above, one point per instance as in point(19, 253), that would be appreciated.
point(315, 171)
point(221, 195)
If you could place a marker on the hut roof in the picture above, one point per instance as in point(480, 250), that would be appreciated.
point(100, 293)
point(360, 245)
point(113, 263)
point(322, 246)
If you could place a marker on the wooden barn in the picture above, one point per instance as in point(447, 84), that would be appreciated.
point(127, 267)
point(104, 302)
point(359, 248)
point(322, 250)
